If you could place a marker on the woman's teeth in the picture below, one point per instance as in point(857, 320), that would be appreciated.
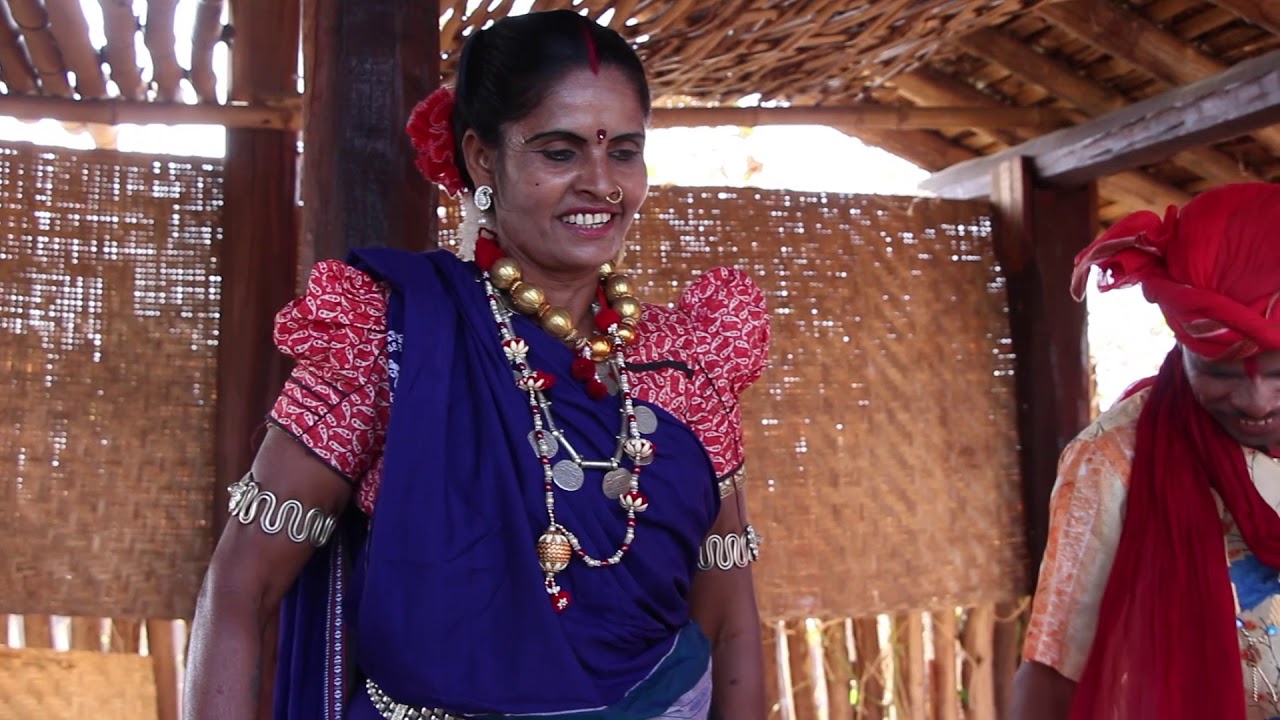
point(587, 219)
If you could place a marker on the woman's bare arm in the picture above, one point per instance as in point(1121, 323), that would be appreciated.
point(249, 572)
point(723, 602)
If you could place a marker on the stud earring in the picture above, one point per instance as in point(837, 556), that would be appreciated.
point(483, 198)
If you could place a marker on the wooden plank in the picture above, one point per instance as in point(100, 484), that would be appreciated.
point(838, 640)
point(1241, 100)
point(86, 634)
point(1128, 36)
point(121, 28)
point(37, 631)
point(162, 644)
point(978, 681)
point(869, 670)
point(912, 679)
point(126, 635)
point(42, 683)
point(16, 70)
point(1006, 653)
point(1134, 189)
point(895, 117)
point(926, 149)
point(285, 115)
point(772, 670)
point(782, 660)
point(946, 694)
point(802, 686)
point(1038, 232)
point(372, 62)
point(1263, 13)
point(1062, 81)
point(1244, 98)
point(71, 30)
point(1131, 37)
point(32, 19)
point(206, 33)
point(158, 34)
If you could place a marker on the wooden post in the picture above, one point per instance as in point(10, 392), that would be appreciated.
point(369, 63)
point(258, 259)
point(978, 681)
point(868, 668)
point(946, 697)
point(1038, 233)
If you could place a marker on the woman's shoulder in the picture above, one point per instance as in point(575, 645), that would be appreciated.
point(720, 322)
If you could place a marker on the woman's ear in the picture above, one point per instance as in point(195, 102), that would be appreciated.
point(480, 159)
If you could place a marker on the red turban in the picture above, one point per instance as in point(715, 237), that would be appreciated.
point(1213, 268)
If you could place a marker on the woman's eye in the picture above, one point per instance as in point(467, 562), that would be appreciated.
point(625, 155)
point(558, 155)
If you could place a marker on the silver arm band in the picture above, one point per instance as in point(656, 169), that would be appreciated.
point(249, 503)
point(727, 552)
point(733, 483)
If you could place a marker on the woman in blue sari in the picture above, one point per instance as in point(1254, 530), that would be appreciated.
point(497, 484)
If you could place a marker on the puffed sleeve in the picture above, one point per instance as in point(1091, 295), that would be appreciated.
point(731, 347)
point(337, 400)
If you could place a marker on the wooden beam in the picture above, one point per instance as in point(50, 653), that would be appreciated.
point(285, 115)
point(70, 28)
point(1241, 99)
point(897, 117)
point(206, 32)
point(121, 27)
point(1131, 37)
point(1134, 189)
point(1061, 80)
point(928, 150)
point(360, 185)
point(1263, 13)
point(16, 70)
point(1038, 231)
point(159, 37)
point(1128, 36)
point(32, 19)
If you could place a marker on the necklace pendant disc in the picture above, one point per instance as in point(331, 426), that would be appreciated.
point(646, 420)
point(553, 445)
point(567, 475)
point(616, 482)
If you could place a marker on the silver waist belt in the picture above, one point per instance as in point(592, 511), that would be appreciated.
point(392, 710)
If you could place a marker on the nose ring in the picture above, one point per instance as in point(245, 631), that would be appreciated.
point(615, 197)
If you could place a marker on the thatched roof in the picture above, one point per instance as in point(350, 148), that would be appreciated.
point(1021, 66)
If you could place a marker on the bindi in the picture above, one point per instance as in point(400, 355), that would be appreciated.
point(1251, 367)
point(600, 136)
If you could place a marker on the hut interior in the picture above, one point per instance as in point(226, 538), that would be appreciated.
point(1041, 121)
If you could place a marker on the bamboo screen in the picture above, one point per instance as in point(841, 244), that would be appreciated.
point(108, 334)
point(881, 440)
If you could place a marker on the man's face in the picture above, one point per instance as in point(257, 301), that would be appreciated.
point(1242, 395)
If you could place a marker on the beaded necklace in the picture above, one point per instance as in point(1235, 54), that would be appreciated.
point(615, 322)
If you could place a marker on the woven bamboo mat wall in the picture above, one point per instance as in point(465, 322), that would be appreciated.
point(881, 441)
point(108, 331)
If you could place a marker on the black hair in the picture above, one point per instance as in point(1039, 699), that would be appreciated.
point(507, 70)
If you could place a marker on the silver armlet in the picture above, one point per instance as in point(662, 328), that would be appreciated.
point(733, 483)
point(249, 502)
point(727, 552)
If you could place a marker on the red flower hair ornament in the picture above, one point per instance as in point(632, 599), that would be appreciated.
point(430, 130)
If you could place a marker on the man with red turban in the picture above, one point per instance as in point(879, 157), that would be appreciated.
point(1159, 595)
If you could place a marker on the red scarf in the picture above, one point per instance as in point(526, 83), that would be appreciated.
point(1166, 646)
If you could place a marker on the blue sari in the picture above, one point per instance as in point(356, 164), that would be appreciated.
point(442, 604)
